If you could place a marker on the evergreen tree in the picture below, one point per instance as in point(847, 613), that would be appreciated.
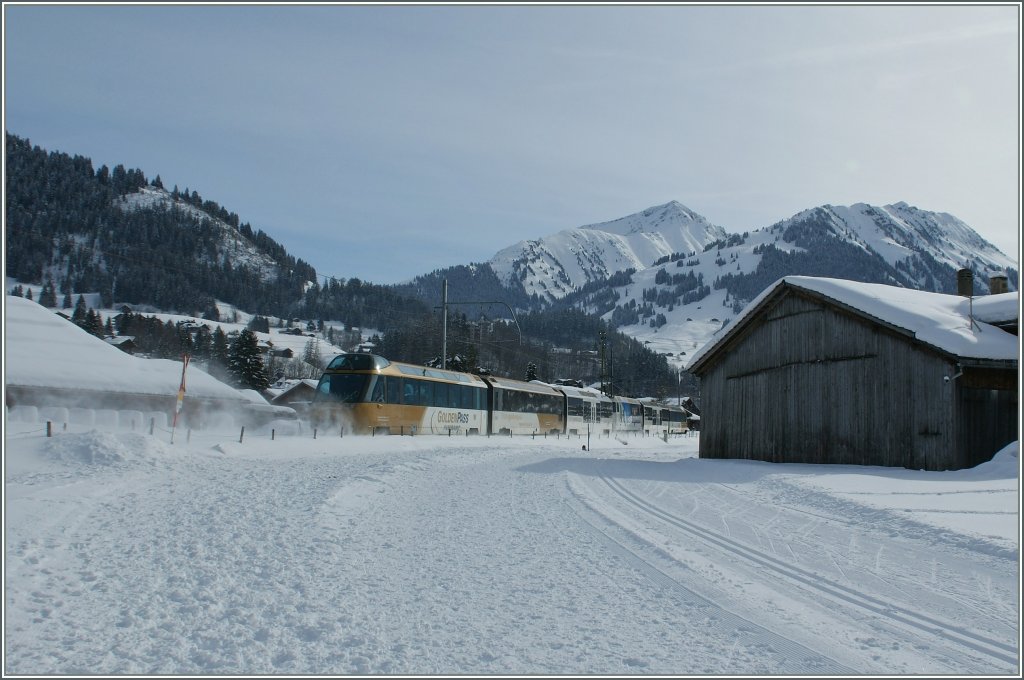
point(245, 362)
point(311, 353)
point(28, 293)
point(260, 324)
point(123, 321)
point(48, 295)
point(531, 371)
point(78, 316)
point(219, 354)
point(66, 304)
point(93, 323)
point(203, 343)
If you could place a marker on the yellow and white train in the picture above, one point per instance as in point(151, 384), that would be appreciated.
point(368, 394)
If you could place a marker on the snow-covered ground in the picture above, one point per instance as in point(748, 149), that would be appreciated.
point(127, 554)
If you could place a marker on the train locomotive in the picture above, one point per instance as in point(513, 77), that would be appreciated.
point(368, 394)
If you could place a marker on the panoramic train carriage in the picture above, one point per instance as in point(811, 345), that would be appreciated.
point(652, 419)
point(518, 407)
point(629, 415)
point(366, 394)
point(584, 407)
point(674, 418)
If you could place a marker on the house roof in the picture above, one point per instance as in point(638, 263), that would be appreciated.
point(282, 388)
point(936, 319)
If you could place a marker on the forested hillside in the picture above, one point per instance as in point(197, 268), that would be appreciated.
point(66, 224)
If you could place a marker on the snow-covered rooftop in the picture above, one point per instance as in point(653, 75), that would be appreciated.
point(45, 350)
point(937, 319)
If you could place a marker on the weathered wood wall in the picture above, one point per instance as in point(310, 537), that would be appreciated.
point(808, 383)
point(987, 420)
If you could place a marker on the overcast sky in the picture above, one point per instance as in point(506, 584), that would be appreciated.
point(383, 142)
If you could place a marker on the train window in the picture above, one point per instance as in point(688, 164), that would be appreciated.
point(425, 393)
point(357, 362)
point(409, 392)
point(476, 398)
point(376, 390)
point(348, 388)
point(575, 407)
point(440, 395)
point(394, 390)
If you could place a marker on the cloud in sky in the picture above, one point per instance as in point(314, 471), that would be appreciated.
point(387, 141)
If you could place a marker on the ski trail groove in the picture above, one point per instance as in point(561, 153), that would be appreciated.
point(918, 620)
point(721, 619)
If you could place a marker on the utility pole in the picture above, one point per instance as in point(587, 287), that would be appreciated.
point(601, 336)
point(444, 318)
point(444, 324)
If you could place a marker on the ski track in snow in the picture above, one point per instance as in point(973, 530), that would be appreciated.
point(475, 559)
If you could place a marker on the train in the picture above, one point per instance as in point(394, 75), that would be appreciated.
point(363, 393)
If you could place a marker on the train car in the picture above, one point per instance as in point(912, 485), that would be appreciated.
point(663, 419)
point(587, 410)
point(675, 419)
point(652, 419)
point(629, 415)
point(518, 407)
point(368, 394)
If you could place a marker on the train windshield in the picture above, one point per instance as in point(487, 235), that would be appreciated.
point(348, 388)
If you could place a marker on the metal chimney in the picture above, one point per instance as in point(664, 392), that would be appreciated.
point(997, 283)
point(965, 283)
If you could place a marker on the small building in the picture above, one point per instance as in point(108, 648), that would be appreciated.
point(125, 343)
point(298, 395)
point(822, 370)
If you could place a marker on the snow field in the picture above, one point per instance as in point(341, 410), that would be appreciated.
point(126, 553)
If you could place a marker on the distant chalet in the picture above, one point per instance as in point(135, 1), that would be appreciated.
point(819, 370)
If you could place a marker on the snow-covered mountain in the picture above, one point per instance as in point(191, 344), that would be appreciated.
point(554, 266)
point(691, 277)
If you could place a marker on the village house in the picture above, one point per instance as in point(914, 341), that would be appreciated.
point(297, 394)
point(820, 370)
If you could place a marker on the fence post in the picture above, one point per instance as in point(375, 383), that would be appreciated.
point(271, 434)
point(314, 433)
point(49, 428)
point(241, 434)
point(152, 424)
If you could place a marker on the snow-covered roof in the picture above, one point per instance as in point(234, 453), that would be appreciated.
point(937, 319)
point(44, 350)
point(997, 308)
point(293, 385)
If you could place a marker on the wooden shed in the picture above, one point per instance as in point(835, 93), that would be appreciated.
point(830, 371)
